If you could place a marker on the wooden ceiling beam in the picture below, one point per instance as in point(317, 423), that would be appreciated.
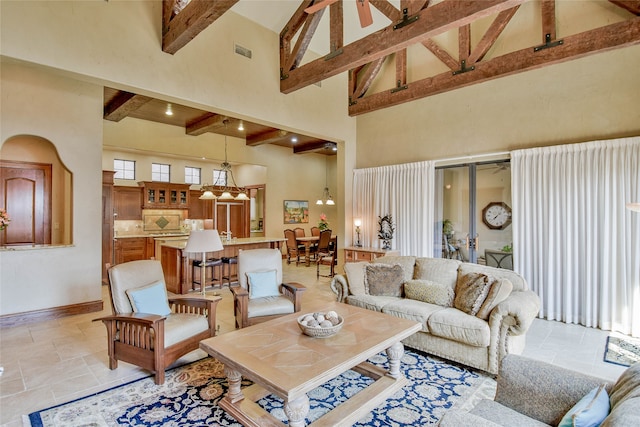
point(309, 29)
point(209, 123)
point(266, 137)
point(632, 6)
point(371, 71)
point(312, 146)
point(441, 54)
point(548, 10)
point(434, 20)
point(497, 26)
point(613, 36)
point(123, 104)
point(387, 9)
point(336, 26)
point(186, 25)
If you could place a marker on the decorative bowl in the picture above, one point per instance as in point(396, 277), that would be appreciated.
point(320, 329)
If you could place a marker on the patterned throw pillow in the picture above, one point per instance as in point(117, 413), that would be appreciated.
point(428, 291)
point(384, 279)
point(471, 291)
point(499, 291)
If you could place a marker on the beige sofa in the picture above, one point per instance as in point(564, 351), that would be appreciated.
point(448, 332)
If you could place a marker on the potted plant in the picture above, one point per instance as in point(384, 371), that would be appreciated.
point(447, 228)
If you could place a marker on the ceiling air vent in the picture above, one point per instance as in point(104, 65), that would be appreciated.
point(241, 50)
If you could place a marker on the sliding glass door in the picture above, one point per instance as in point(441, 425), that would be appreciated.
point(473, 213)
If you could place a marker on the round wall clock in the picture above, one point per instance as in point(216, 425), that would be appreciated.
point(496, 215)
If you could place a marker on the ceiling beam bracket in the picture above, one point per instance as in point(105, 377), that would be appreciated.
point(463, 68)
point(399, 87)
point(283, 76)
point(548, 43)
point(406, 19)
point(333, 54)
point(352, 101)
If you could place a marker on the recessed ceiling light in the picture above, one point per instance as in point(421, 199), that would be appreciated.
point(241, 126)
point(169, 111)
point(294, 139)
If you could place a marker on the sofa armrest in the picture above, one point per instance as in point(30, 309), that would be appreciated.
point(521, 306)
point(457, 418)
point(540, 390)
point(340, 287)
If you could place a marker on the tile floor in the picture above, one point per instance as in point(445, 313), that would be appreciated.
point(52, 362)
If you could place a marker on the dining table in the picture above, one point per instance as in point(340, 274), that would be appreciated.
point(308, 242)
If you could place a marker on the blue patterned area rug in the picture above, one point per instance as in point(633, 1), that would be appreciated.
point(190, 394)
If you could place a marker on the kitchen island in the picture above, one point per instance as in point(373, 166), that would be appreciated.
point(176, 263)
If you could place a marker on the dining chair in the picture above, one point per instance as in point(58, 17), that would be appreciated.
point(326, 255)
point(293, 249)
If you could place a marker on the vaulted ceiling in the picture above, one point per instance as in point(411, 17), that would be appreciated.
point(397, 27)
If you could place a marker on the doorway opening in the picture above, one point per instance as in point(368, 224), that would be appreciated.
point(473, 213)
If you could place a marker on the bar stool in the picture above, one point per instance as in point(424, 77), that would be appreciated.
point(210, 265)
point(226, 264)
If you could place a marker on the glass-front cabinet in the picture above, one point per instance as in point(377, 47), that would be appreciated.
point(163, 195)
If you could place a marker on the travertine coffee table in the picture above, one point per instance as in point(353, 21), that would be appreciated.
point(280, 360)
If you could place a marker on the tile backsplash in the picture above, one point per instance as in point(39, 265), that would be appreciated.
point(153, 221)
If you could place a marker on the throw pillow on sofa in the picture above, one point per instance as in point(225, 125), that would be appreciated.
point(384, 279)
point(499, 291)
point(428, 291)
point(355, 277)
point(471, 291)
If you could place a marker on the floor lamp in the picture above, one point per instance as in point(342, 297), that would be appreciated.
point(203, 241)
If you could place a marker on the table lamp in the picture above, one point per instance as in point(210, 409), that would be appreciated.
point(203, 241)
point(357, 222)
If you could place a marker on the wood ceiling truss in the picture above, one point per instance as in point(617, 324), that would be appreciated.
point(364, 58)
point(179, 29)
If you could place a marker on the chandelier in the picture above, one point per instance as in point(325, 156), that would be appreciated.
point(226, 172)
point(326, 198)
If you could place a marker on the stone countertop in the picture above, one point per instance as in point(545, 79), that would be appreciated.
point(154, 235)
point(181, 243)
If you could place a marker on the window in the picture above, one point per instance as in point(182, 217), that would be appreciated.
point(191, 175)
point(125, 169)
point(219, 177)
point(160, 172)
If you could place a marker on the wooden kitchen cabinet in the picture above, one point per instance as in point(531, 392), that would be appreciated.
point(165, 195)
point(130, 249)
point(107, 221)
point(356, 254)
point(127, 203)
point(200, 209)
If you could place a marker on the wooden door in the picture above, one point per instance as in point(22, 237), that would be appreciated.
point(25, 192)
point(233, 217)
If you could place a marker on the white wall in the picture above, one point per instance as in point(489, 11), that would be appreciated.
point(67, 113)
point(57, 56)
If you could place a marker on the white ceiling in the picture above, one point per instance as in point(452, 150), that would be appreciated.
point(274, 15)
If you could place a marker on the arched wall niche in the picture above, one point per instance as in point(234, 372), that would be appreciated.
point(36, 149)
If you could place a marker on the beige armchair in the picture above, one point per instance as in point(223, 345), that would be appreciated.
point(261, 295)
point(153, 341)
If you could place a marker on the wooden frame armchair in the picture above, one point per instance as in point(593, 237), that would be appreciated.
point(153, 341)
point(249, 307)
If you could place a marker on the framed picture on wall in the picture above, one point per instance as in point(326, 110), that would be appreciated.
point(296, 211)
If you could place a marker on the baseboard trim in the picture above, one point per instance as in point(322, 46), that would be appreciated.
point(18, 319)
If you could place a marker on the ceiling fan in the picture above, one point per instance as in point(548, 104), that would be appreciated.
point(363, 7)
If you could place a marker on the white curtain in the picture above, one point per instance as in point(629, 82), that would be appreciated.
point(406, 192)
point(574, 241)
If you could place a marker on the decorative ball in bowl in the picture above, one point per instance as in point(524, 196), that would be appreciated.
point(320, 324)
